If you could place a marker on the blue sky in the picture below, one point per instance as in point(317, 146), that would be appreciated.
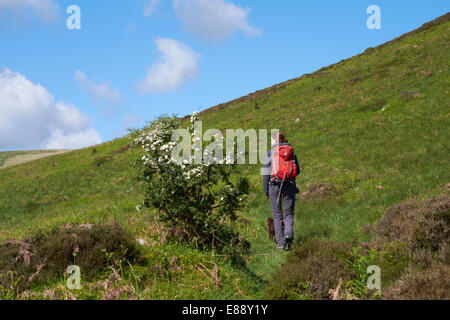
point(134, 60)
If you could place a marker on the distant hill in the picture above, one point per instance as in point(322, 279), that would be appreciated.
point(372, 137)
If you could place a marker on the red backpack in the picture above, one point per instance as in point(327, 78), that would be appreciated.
point(283, 166)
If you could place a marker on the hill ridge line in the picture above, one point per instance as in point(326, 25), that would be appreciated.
point(254, 95)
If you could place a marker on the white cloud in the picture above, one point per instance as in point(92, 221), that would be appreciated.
point(100, 93)
point(150, 7)
point(46, 10)
point(59, 140)
point(30, 118)
point(177, 64)
point(214, 20)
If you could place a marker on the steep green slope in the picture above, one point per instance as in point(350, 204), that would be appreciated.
point(371, 132)
point(373, 129)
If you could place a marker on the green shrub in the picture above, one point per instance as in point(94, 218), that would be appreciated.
point(393, 259)
point(202, 200)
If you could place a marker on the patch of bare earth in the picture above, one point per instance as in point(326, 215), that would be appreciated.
point(317, 192)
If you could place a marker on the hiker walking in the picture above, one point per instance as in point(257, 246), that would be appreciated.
point(280, 169)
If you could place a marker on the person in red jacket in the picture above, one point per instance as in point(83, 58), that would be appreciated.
point(281, 192)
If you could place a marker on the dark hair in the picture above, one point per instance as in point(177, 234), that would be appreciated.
point(280, 137)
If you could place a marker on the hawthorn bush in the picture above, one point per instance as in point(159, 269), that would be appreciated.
point(201, 200)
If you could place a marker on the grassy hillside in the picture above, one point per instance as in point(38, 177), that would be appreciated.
point(372, 132)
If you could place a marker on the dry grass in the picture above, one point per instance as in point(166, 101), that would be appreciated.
point(425, 229)
point(432, 283)
point(412, 250)
point(424, 225)
point(46, 256)
point(311, 269)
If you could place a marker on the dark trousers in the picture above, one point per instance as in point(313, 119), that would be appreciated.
point(283, 211)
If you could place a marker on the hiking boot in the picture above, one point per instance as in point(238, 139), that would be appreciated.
point(289, 243)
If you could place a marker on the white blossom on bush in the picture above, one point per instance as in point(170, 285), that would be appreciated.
point(199, 198)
